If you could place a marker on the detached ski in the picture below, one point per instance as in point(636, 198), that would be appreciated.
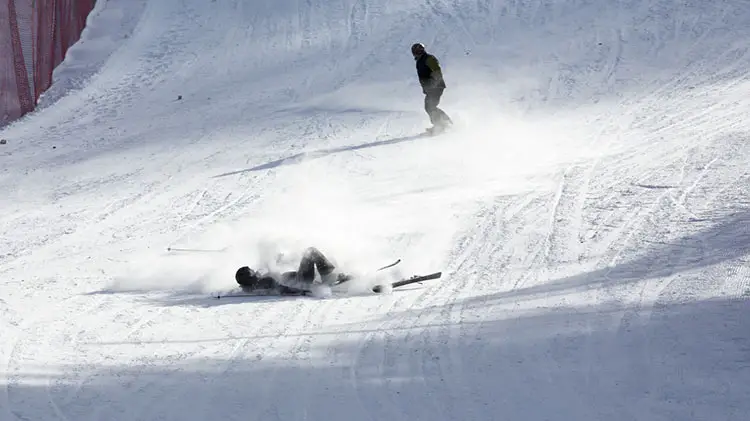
point(412, 280)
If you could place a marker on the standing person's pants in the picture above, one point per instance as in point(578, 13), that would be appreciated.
point(310, 260)
point(431, 101)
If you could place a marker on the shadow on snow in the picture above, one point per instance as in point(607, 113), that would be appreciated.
point(726, 240)
point(686, 361)
point(303, 156)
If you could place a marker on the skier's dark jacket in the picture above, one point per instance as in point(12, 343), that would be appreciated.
point(429, 72)
point(282, 284)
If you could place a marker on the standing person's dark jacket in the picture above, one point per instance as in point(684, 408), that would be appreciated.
point(429, 72)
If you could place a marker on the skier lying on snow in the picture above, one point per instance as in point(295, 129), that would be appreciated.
point(292, 282)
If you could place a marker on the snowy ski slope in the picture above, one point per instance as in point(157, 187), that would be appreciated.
point(590, 214)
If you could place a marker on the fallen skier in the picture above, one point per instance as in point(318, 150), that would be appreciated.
point(302, 280)
point(296, 282)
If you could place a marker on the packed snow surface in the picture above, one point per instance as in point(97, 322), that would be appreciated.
point(589, 212)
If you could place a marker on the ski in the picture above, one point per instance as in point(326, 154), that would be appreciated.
point(412, 280)
point(257, 293)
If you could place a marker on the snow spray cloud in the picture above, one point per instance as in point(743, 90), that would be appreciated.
point(310, 207)
point(314, 205)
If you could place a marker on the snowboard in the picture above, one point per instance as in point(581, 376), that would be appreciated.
point(377, 289)
point(437, 131)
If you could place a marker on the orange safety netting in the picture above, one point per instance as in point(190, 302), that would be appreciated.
point(34, 37)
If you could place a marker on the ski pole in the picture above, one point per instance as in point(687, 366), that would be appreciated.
point(391, 265)
point(195, 250)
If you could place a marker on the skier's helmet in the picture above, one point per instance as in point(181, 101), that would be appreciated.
point(417, 49)
point(246, 276)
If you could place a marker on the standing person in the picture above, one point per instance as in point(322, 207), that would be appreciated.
point(431, 78)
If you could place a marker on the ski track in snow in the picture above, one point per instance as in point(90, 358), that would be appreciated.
point(588, 212)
